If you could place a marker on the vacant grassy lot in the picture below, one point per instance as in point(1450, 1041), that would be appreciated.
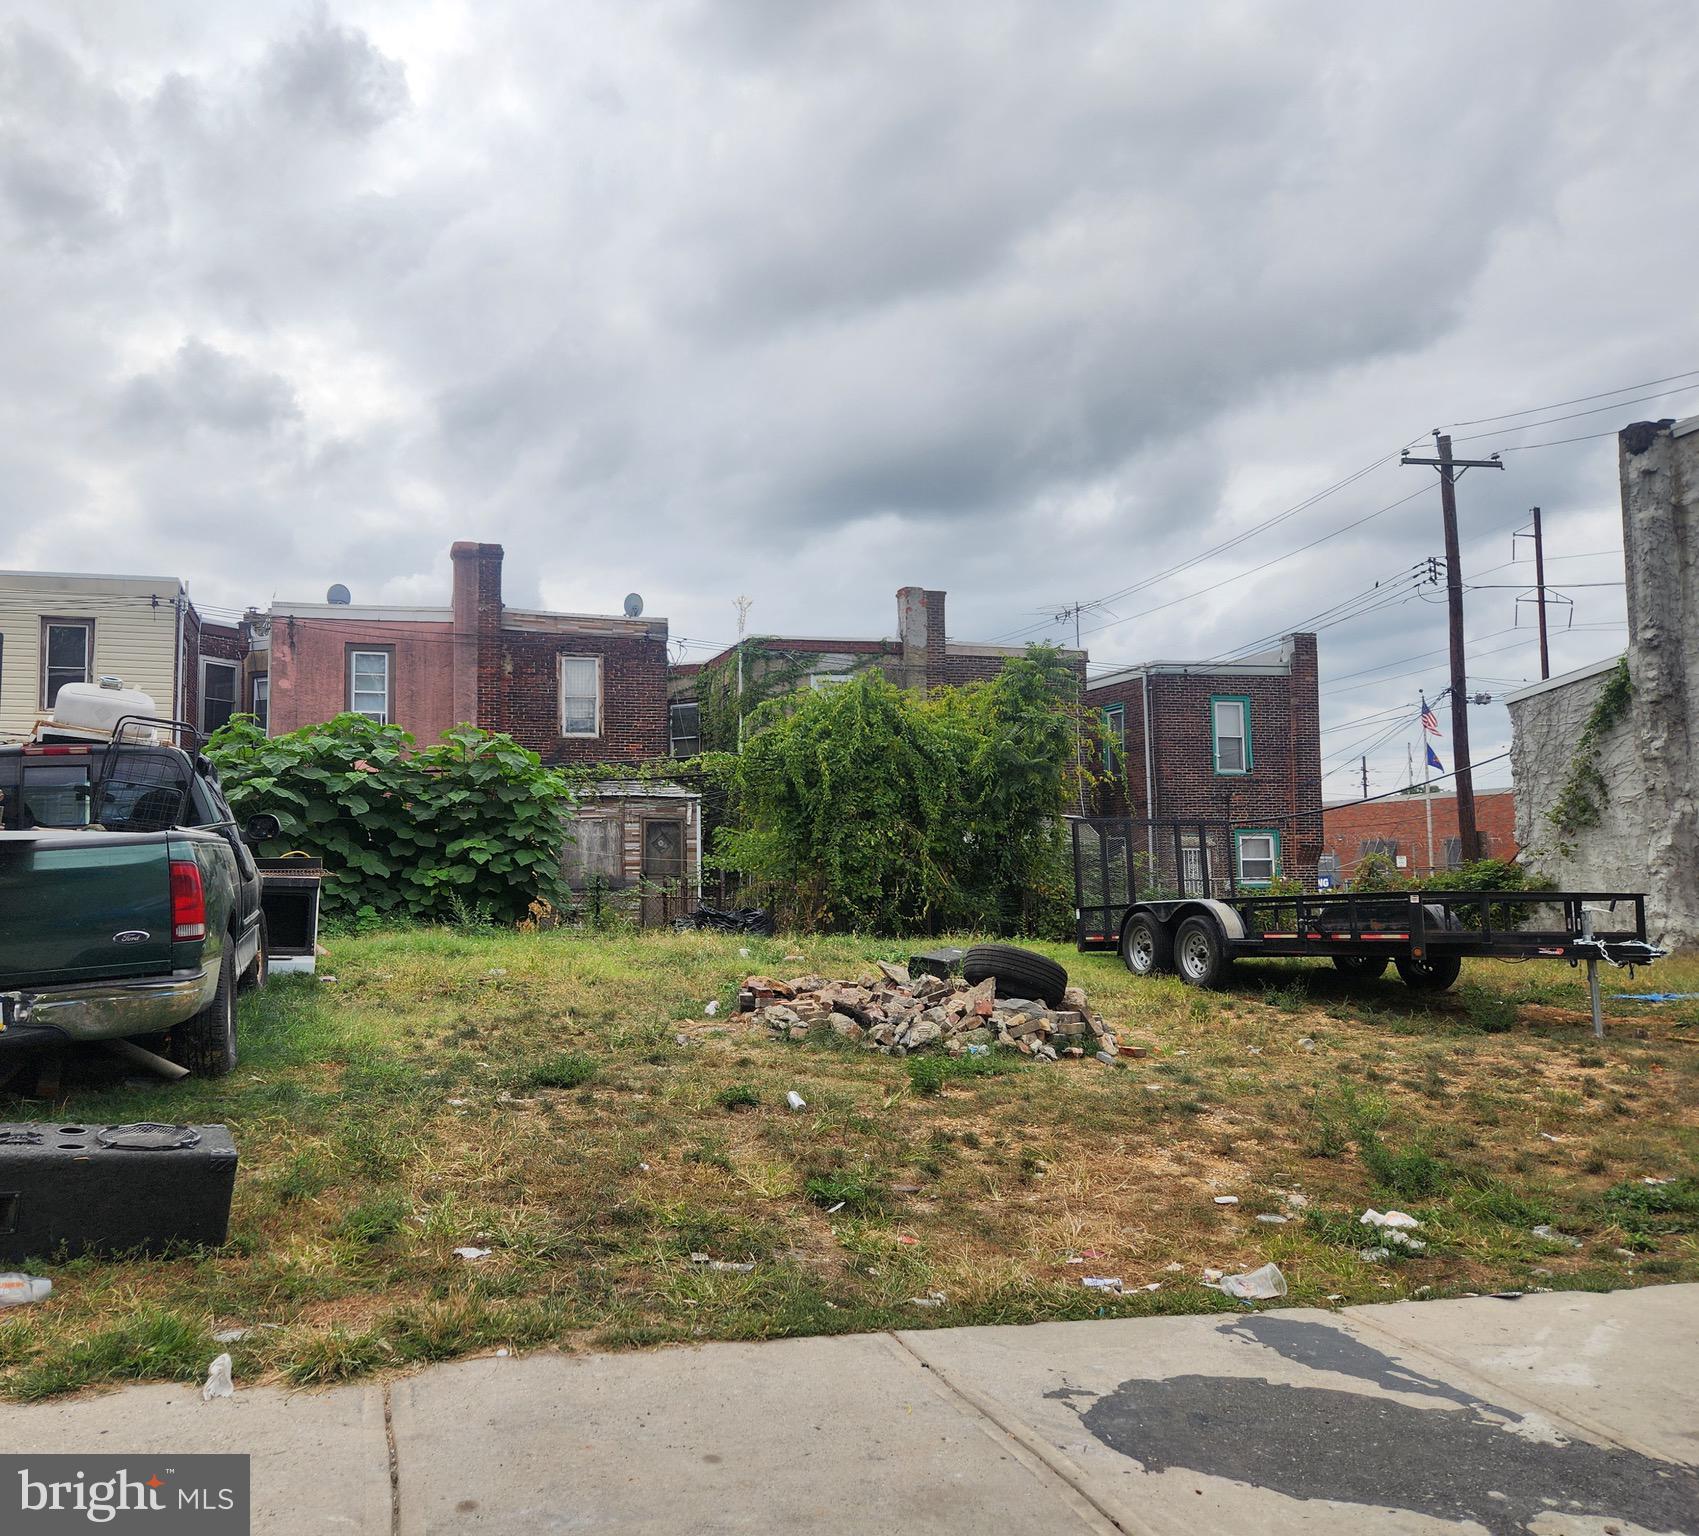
point(564, 1102)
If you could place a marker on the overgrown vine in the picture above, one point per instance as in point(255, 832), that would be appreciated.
point(1585, 794)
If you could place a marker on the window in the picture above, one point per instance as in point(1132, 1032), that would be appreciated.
point(262, 701)
point(1386, 845)
point(1230, 731)
point(663, 849)
point(368, 684)
point(67, 648)
point(581, 696)
point(685, 727)
point(1258, 856)
point(829, 679)
point(1114, 737)
point(218, 694)
point(593, 852)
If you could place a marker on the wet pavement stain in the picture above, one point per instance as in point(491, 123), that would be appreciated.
point(1453, 1463)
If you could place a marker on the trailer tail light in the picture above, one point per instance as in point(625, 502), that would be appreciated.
point(188, 901)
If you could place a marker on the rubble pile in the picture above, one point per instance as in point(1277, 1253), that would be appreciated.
point(897, 1013)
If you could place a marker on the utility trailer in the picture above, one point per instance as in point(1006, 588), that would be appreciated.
point(1163, 915)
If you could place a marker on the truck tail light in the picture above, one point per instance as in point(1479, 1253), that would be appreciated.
point(188, 901)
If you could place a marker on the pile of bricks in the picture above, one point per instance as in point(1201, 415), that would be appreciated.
point(896, 1013)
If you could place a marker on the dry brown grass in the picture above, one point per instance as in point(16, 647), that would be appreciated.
point(360, 1174)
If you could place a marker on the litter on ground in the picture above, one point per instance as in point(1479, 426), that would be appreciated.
point(470, 1254)
point(1263, 1284)
point(218, 1382)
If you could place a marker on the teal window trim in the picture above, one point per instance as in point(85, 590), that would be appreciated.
point(1243, 700)
point(1114, 736)
point(1239, 835)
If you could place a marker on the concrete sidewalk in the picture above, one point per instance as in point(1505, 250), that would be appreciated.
point(1555, 1414)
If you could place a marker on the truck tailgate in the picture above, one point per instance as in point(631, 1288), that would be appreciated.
point(83, 905)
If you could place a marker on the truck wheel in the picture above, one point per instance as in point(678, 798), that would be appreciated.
point(255, 975)
point(1200, 953)
point(1145, 945)
point(1361, 967)
point(206, 1045)
point(1434, 974)
point(1019, 972)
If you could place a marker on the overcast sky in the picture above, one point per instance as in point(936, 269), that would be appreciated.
point(811, 301)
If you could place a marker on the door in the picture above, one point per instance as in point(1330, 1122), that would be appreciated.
point(663, 849)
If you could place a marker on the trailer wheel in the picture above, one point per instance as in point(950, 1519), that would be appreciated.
point(1434, 974)
point(1145, 945)
point(1361, 967)
point(1200, 953)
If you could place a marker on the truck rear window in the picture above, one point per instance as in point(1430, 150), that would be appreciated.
point(55, 794)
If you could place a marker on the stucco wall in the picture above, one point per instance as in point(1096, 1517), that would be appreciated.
point(1647, 834)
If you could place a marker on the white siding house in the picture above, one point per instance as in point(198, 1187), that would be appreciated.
point(57, 628)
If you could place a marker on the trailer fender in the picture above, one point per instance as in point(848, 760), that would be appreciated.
point(1172, 913)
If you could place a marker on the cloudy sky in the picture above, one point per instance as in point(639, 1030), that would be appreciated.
point(1032, 302)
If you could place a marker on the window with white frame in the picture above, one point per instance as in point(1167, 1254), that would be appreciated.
point(218, 693)
point(1259, 857)
point(262, 701)
point(368, 684)
point(581, 696)
point(685, 722)
point(67, 650)
point(1230, 730)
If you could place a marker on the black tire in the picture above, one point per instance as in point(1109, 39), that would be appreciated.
point(1361, 967)
point(255, 975)
point(206, 1045)
point(1146, 948)
point(1019, 972)
point(1434, 974)
point(1200, 953)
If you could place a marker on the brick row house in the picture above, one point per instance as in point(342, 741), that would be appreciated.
point(1217, 766)
point(575, 688)
point(920, 656)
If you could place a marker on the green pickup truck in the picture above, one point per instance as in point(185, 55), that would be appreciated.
point(129, 902)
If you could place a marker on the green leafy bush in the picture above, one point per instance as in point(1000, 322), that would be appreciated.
point(472, 825)
point(867, 807)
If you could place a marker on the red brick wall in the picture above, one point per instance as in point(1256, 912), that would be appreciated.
point(1403, 820)
point(523, 673)
point(309, 682)
point(222, 642)
point(1282, 791)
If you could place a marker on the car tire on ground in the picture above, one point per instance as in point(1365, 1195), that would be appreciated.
point(206, 1044)
point(1146, 947)
point(1361, 967)
point(1200, 952)
point(255, 975)
point(1433, 974)
point(1019, 972)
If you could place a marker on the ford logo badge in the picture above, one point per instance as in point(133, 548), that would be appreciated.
point(131, 936)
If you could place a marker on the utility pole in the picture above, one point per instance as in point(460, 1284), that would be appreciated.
point(743, 605)
point(1449, 470)
point(1365, 776)
point(1540, 585)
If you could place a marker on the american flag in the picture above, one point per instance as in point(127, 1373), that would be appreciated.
point(1430, 721)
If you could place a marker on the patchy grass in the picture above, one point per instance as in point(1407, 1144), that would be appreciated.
point(563, 1101)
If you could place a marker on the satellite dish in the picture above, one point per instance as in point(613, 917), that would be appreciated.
point(339, 595)
point(633, 605)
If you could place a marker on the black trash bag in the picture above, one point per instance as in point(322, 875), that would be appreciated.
point(757, 920)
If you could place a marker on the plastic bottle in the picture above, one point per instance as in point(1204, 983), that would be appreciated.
point(18, 1290)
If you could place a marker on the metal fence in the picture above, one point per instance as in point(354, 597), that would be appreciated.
point(1119, 860)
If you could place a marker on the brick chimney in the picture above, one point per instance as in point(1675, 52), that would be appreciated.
point(920, 630)
point(477, 633)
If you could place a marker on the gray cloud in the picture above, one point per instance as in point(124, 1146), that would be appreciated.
point(1026, 301)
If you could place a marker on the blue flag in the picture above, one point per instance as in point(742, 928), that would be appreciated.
point(1433, 759)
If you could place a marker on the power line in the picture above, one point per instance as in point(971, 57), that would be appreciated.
point(1477, 421)
point(1550, 421)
